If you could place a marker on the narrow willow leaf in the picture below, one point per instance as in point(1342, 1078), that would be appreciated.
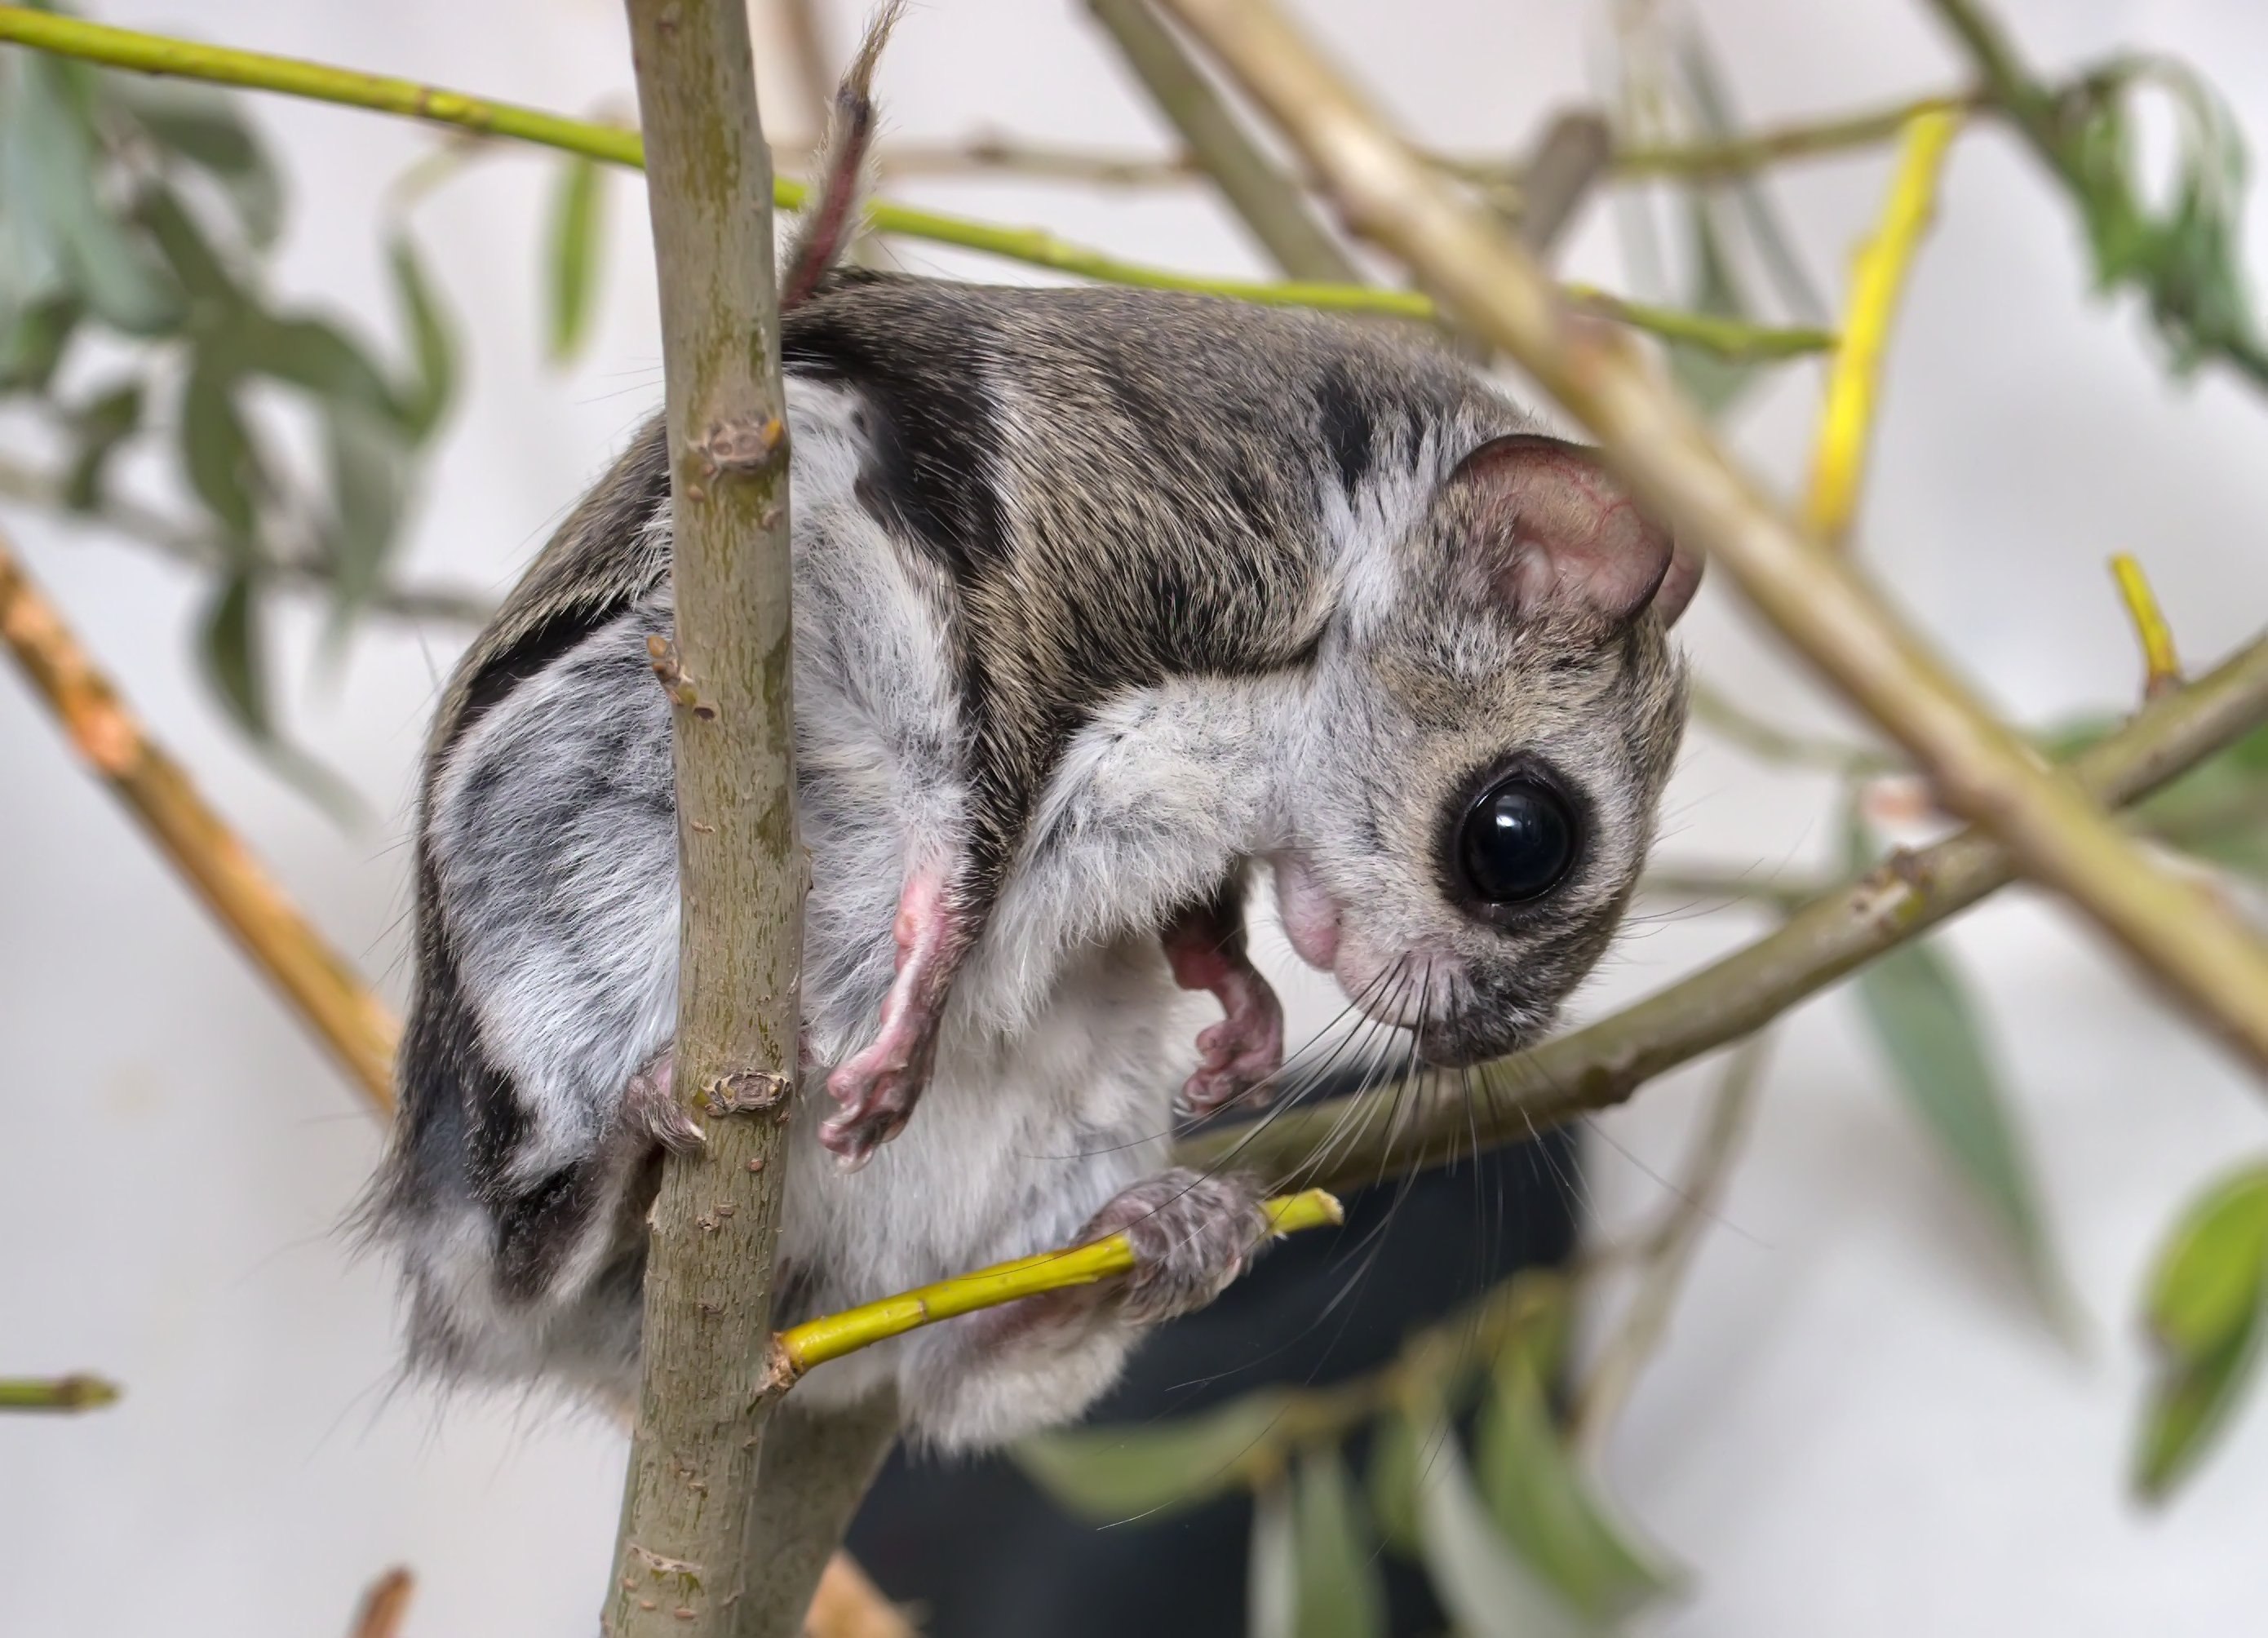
point(1922, 1014)
point(1480, 1579)
point(108, 267)
point(426, 399)
point(1393, 1475)
point(204, 126)
point(215, 450)
point(233, 658)
point(2212, 1276)
point(32, 346)
point(1712, 382)
point(1109, 1473)
point(368, 472)
point(313, 354)
point(1340, 1594)
point(1271, 1589)
point(200, 269)
point(99, 428)
point(577, 231)
point(1542, 1501)
point(2206, 1306)
point(2219, 809)
point(2188, 1405)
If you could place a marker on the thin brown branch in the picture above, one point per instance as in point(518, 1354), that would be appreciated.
point(1570, 161)
point(2197, 949)
point(386, 1606)
point(1666, 1254)
point(1271, 205)
point(685, 1564)
point(1738, 156)
point(1346, 1143)
point(321, 987)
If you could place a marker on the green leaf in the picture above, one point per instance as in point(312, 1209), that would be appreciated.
point(216, 449)
point(434, 351)
point(1340, 1594)
point(100, 428)
point(61, 188)
point(2219, 809)
point(1115, 1473)
point(1545, 1506)
point(1712, 382)
point(2187, 1407)
point(312, 354)
point(577, 229)
point(1481, 1581)
point(2208, 1312)
point(203, 128)
point(233, 657)
point(1271, 1574)
point(201, 269)
point(1922, 1014)
point(1393, 1475)
point(369, 472)
point(2213, 1274)
point(33, 344)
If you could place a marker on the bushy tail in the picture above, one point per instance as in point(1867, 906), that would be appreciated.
point(829, 218)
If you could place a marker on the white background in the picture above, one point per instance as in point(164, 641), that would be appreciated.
point(1856, 1430)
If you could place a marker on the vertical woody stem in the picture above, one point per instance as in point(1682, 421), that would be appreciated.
point(683, 1564)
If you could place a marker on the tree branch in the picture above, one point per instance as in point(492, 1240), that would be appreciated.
point(321, 987)
point(1271, 206)
point(386, 1606)
point(150, 54)
point(684, 1560)
point(2198, 948)
point(1348, 1142)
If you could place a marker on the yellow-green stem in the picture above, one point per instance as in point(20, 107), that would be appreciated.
point(254, 70)
point(815, 1341)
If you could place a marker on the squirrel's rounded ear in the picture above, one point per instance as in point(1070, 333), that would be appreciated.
point(1560, 536)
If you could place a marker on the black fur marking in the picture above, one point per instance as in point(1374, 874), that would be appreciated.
point(936, 437)
point(1347, 426)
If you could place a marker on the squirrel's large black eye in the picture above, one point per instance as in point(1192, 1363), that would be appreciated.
point(1517, 842)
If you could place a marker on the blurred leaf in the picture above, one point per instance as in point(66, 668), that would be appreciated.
point(1481, 1581)
point(61, 189)
point(577, 226)
point(100, 427)
point(369, 471)
point(1393, 1477)
point(234, 658)
point(202, 126)
point(2207, 1300)
point(33, 345)
point(1115, 1472)
point(2186, 1409)
point(426, 398)
point(1928, 1027)
point(1340, 1595)
point(2212, 1275)
point(312, 354)
point(215, 450)
point(1272, 1591)
point(1712, 104)
point(212, 289)
point(1713, 382)
point(2219, 809)
point(1544, 1505)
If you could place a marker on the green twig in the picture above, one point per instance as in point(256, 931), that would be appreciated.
point(74, 1392)
point(152, 53)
